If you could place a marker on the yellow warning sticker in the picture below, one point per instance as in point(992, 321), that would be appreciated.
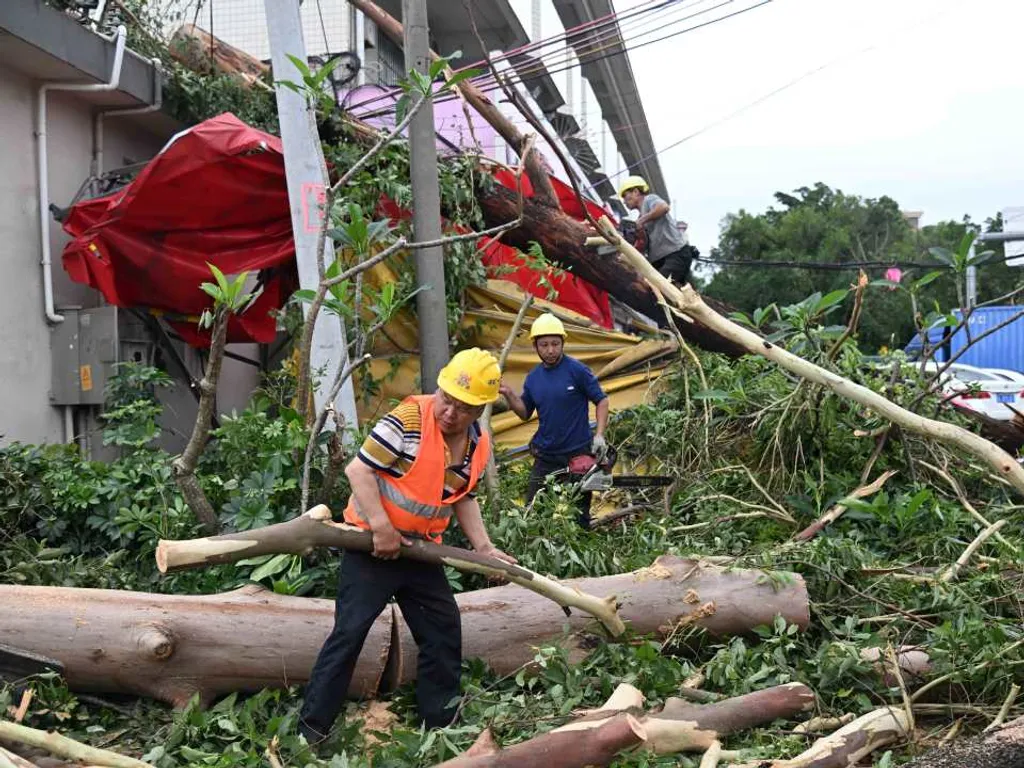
point(85, 375)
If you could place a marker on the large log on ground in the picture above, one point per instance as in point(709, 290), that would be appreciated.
point(563, 239)
point(504, 625)
point(171, 646)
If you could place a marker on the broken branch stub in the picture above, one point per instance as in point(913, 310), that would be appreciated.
point(315, 529)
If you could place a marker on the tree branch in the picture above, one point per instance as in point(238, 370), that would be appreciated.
point(691, 304)
point(184, 466)
point(315, 529)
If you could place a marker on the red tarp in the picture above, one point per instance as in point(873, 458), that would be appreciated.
point(217, 194)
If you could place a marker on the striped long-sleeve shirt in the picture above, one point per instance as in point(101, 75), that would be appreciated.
point(395, 441)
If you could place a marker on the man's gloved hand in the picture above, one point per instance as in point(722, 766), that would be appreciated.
point(599, 446)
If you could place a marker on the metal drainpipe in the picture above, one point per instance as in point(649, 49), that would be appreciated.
point(360, 35)
point(44, 186)
point(97, 129)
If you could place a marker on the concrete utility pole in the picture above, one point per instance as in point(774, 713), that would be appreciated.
point(426, 205)
point(304, 171)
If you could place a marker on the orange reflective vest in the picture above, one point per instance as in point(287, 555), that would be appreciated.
point(414, 501)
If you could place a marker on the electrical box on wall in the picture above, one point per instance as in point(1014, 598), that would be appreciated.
point(85, 348)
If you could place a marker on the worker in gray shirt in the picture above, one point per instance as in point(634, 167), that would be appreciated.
point(667, 247)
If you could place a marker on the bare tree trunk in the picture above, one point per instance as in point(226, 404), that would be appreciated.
point(504, 625)
point(184, 467)
point(559, 749)
point(171, 647)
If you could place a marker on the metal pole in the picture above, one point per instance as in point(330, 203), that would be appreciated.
point(304, 172)
point(972, 280)
point(426, 206)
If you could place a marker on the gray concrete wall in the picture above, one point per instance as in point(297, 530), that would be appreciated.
point(25, 359)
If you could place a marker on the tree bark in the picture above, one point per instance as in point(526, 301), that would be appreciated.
point(504, 625)
point(301, 535)
point(560, 749)
point(198, 50)
point(171, 647)
point(850, 744)
point(684, 727)
point(743, 712)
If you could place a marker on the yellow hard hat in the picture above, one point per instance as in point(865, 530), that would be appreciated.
point(472, 377)
point(547, 325)
point(633, 182)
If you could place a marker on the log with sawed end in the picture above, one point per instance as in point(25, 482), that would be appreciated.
point(313, 529)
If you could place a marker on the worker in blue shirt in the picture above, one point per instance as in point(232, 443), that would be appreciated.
point(560, 390)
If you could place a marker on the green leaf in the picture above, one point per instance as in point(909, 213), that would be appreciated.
point(460, 76)
point(832, 299)
point(305, 295)
point(300, 65)
point(274, 566)
point(942, 254)
point(436, 67)
point(710, 394)
point(931, 277)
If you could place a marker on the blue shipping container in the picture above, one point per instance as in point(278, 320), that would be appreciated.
point(1004, 348)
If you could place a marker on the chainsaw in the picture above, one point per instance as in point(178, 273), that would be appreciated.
point(595, 474)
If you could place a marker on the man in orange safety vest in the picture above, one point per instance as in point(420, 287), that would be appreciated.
point(416, 470)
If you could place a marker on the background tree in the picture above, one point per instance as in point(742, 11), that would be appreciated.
point(820, 225)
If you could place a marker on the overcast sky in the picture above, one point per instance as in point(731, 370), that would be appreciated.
point(931, 115)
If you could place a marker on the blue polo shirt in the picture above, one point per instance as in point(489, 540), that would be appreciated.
point(560, 395)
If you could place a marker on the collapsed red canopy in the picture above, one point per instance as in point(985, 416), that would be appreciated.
point(217, 193)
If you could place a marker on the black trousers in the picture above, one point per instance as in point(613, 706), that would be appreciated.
point(545, 464)
point(676, 265)
point(365, 585)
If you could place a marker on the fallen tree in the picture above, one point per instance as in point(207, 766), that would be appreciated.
point(171, 647)
point(562, 237)
point(687, 303)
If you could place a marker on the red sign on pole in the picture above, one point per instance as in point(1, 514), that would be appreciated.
point(313, 198)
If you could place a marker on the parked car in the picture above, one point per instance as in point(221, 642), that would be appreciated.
point(995, 392)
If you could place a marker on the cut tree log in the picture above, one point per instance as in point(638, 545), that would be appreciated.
point(683, 727)
point(850, 744)
point(689, 304)
point(560, 749)
point(504, 625)
point(1001, 748)
point(198, 50)
point(171, 647)
point(313, 529)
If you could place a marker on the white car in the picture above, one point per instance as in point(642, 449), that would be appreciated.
point(995, 392)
